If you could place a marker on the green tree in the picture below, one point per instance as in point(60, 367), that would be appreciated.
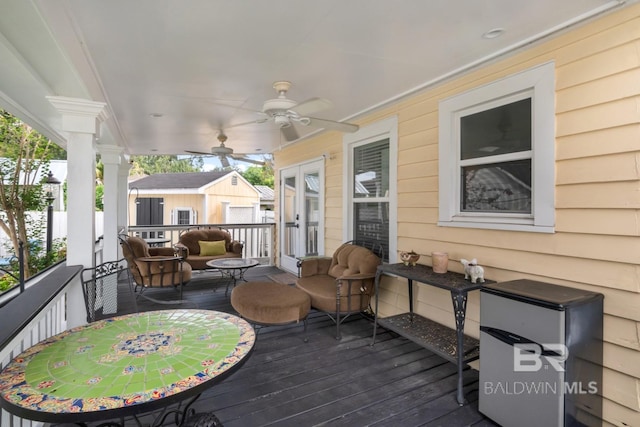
point(99, 197)
point(99, 186)
point(149, 165)
point(25, 153)
point(12, 151)
point(259, 175)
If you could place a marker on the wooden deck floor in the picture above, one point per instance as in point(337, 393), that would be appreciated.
point(287, 382)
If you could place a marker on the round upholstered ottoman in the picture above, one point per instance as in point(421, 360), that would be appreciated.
point(269, 303)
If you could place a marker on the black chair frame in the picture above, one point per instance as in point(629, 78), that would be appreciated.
point(95, 280)
point(173, 280)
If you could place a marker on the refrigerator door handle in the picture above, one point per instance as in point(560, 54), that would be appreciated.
point(510, 339)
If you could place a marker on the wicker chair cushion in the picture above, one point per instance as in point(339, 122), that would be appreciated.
point(173, 272)
point(318, 279)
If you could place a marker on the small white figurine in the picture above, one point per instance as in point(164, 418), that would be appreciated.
point(471, 268)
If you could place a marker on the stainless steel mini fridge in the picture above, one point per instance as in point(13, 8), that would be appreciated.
point(540, 355)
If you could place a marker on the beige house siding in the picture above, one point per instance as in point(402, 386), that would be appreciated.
point(241, 194)
point(595, 245)
point(172, 201)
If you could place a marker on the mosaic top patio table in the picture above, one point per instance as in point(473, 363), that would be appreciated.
point(125, 366)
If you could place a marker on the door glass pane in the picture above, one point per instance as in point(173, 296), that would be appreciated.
point(312, 212)
point(289, 215)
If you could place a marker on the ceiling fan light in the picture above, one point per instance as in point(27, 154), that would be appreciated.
point(281, 121)
point(494, 33)
point(221, 150)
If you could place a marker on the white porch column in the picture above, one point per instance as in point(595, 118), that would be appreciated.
point(226, 214)
point(123, 197)
point(80, 120)
point(111, 158)
point(256, 212)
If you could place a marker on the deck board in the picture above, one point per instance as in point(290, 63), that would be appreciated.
point(347, 382)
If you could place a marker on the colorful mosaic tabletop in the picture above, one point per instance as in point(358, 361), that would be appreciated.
point(125, 361)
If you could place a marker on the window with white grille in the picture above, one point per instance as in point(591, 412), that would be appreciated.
point(183, 216)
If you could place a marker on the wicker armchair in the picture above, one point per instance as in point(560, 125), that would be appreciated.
point(340, 285)
point(154, 267)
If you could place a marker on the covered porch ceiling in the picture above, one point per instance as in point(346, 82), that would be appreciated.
point(175, 73)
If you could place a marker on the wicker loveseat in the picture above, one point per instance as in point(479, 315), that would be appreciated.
point(192, 243)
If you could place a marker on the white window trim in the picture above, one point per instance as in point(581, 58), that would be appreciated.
point(192, 214)
point(540, 82)
point(384, 129)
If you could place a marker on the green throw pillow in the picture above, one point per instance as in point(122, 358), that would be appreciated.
point(212, 248)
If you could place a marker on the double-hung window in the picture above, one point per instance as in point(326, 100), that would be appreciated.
point(183, 216)
point(370, 202)
point(497, 154)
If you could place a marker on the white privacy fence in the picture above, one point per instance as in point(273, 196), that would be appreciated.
point(59, 229)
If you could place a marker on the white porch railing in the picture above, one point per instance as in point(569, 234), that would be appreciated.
point(34, 315)
point(37, 313)
point(258, 238)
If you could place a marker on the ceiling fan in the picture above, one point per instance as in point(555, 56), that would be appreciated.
point(284, 112)
point(223, 152)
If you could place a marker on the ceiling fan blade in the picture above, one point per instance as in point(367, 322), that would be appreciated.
point(200, 153)
point(252, 122)
point(330, 124)
point(224, 161)
point(248, 160)
point(311, 106)
point(290, 133)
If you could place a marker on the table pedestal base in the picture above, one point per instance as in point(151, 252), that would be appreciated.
point(183, 416)
point(205, 420)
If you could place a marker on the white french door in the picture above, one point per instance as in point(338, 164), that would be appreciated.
point(302, 213)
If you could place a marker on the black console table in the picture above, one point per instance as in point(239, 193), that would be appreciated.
point(451, 344)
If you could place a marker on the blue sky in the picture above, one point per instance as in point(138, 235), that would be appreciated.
point(212, 162)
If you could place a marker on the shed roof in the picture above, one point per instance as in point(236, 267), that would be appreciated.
point(266, 193)
point(177, 180)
